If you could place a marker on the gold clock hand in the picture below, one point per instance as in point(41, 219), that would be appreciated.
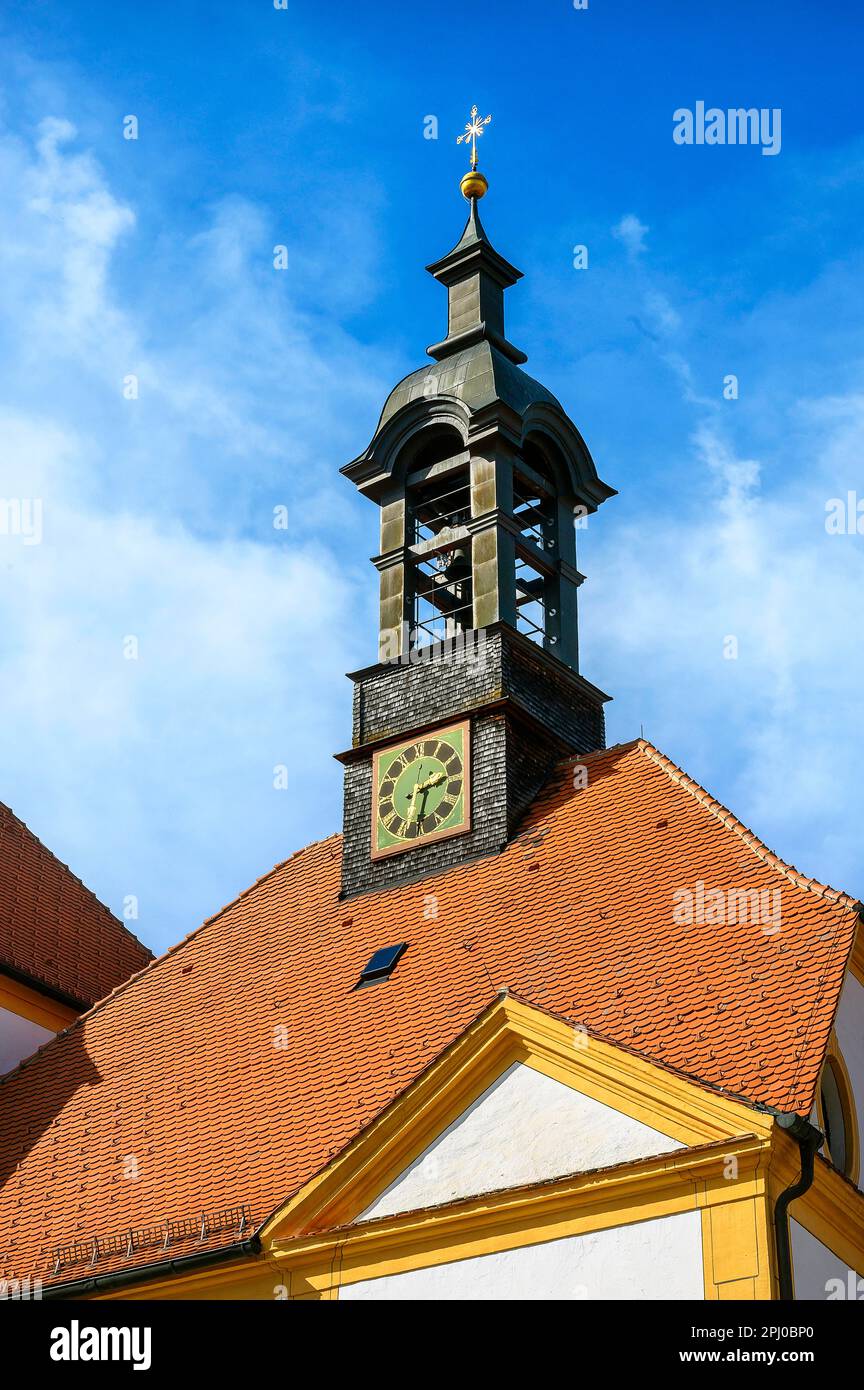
point(419, 787)
point(432, 781)
point(412, 805)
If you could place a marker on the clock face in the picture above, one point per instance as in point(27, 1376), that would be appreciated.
point(421, 790)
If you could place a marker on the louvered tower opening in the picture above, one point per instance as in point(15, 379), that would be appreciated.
point(438, 498)
point(535, 510)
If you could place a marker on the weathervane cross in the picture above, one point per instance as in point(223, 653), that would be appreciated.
point(473, 131)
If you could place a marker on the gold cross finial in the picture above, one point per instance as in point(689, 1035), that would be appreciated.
point(473, 131)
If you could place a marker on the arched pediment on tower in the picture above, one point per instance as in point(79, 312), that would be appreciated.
point(549, 430)
point(425, 413)
point(399, 442)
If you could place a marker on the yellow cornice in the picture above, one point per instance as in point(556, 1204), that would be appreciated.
point(314, 1266)
point(508, 1031)
point(36, 1007)
point(732, 1171)
point(856, 959)
point(314, 1242)
point(252, 1276)
point(692, 1179)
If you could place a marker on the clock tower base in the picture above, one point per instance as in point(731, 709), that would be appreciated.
point(526, 711)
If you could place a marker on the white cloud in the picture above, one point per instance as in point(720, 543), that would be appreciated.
point(631, 233)
point(154, 776)
point(773, 731)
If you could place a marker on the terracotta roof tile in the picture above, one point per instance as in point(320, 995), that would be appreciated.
point(231, 1070)
point(52, 929)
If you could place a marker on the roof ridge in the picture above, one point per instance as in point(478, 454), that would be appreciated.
point(731, 822)
point(304, 849)
point(71, 872)
point(758, 848)
point(156, 960)
point(282, 940)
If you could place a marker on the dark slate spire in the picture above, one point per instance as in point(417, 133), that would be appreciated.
point(476, 277)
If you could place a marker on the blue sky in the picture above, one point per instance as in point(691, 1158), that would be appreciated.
point(305, 127)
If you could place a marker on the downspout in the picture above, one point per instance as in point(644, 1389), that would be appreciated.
point(808, 1139)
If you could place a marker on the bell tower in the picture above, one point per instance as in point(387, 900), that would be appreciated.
point(479, 477)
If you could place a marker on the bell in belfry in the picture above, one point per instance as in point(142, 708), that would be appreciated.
point(456, 565)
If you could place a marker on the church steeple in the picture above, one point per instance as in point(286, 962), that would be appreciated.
point(477, 469)
point(479, 475)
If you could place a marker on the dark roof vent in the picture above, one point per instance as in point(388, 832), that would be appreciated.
point(381, 965)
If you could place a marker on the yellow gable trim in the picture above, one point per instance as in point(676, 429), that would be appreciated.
point(508, 1031)
point(735, 1236)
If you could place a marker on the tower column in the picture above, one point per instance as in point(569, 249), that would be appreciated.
point(394, 591)
point(564, 621)
point(493, 548)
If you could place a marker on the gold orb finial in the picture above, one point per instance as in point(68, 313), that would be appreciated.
point(473, 184)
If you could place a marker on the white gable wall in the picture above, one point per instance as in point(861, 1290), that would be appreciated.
point(524, 1128)
point(657, 1259)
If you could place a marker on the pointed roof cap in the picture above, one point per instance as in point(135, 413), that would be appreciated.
point(473, 250)
point(476, 276)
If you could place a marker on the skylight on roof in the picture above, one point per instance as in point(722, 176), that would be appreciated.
point(381, 965)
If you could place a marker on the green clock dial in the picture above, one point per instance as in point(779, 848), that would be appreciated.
point(421, 791)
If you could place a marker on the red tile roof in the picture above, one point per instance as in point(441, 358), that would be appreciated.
point(230, 1071)
point(53, 930)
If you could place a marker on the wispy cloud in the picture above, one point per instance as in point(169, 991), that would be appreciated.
point(631, 233)
point(727, 617)
point(165, 646)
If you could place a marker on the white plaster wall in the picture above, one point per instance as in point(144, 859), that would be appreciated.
point(849, 1025)
point(525, 1128)
point(658, 1259)
point(814, 1267)
point(19, 1038)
